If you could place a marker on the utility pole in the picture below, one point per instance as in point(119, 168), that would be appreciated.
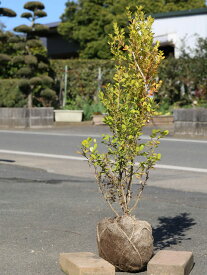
point(99, 80)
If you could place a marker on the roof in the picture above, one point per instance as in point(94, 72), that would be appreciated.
point(53, 24)
point(157, 15)
point(180, 13)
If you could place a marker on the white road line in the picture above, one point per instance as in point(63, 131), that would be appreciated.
point(177, 139)
point(95, 135)
point(41, 155)
point(159, 166)
point(181, 168)
point(48, 134)
point(184, 140)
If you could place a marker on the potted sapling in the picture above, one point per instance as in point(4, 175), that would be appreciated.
point(122, 168)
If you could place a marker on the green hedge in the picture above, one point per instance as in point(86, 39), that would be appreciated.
point(184, 80)
point(83, 76)
point(10, 94)
point(181, 78)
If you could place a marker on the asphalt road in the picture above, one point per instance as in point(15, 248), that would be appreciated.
point(175, 152)
point(44, 214)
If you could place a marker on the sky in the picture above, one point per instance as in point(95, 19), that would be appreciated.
point(53, 8)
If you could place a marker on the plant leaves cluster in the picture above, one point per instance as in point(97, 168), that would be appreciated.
point(129, 106)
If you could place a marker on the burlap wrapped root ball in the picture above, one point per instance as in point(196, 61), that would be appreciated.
point(125, 242)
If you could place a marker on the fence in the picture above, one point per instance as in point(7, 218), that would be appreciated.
point(26, 117)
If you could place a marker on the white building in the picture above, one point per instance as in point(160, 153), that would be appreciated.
point(171, 29)
point(174, 28)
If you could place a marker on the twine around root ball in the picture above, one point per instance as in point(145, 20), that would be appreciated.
point(125, 242)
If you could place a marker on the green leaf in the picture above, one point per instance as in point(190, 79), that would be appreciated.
point(85, 143)
point(159, 156)
point(141, 147)
point(123, 127)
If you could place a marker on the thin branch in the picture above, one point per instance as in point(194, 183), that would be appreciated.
point(109, 174)
point(129, 184)
point(141, 190)
point(140, 70)
point(151, 150)
point(103, 193)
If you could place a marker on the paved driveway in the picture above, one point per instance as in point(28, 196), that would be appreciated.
point(43, 214)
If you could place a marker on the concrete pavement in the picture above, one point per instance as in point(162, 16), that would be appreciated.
point(43, 214)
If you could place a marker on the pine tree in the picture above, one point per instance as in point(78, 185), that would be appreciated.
point(7, 12)
point(32, 62)
point(5, 47)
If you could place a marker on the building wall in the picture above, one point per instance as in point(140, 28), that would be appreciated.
point(176, 30)
point(173, 32)
point(60, 48)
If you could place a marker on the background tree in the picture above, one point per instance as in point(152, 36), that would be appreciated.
point(7, 12)
point(5, 49)
point(158, 6)
point(88, 22)
point(7, 52)
point(31, 62)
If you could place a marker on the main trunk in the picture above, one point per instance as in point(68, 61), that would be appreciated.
point(29, 101)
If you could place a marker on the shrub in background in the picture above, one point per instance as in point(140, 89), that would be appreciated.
point(85, 78)
point(184, 79)
point(199, 69)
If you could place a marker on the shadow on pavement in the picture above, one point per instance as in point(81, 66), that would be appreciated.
point(7, 160)
point(45, 181)
point(171, 230)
